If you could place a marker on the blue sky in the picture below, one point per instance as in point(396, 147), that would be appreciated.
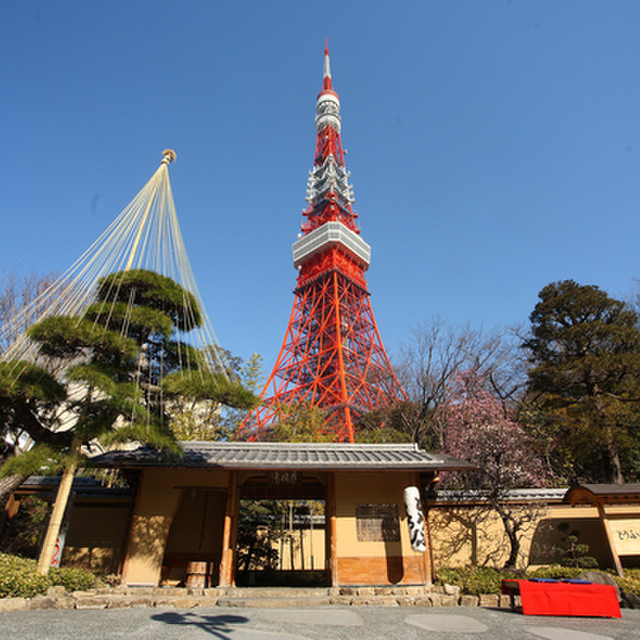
point(494, 146)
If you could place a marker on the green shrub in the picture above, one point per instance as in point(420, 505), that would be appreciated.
point(477, 580)
point(19, 578)
point(72, 579)
point(472, 580)
point(557, 572)
point(630, 583)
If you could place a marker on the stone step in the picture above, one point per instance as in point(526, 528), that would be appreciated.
point(275, 602)
point(275, 592)
point(260, 598)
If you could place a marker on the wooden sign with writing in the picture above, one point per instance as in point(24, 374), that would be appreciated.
point(377, 522)
point(626, 536)
point(283, 477)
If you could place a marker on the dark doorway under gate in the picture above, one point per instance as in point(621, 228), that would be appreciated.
point(281, 531)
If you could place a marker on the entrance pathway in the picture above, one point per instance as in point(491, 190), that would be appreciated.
point(315, 623)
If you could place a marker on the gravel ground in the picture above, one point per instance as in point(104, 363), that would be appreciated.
point(340, 623)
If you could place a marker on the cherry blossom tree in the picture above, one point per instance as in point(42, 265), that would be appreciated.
point(477, 429)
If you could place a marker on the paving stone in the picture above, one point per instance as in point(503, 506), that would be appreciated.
point(82, 594)
point(92, 602)
point(274, 603)
point(170, 591)
point(57, 591)
point(427, 600)
point(13, 604)
point(449, 624)
point(37, 603)
point(142, 602)
point(186, 602)
point(452, 590)
point(337, 618)
point(66, 603)
point(505, 601)
point(118, 602)
point(208, 601)
point(489, 600)
point(448, 601)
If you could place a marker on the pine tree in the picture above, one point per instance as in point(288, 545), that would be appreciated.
point(119, 364)
point(584, 380)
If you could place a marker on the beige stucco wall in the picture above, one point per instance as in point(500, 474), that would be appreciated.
point(375, 562)
point(462, 537)
point(157, 502)
point(354, 488)
point(96, 536)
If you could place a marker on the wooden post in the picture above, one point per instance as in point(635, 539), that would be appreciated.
point(229, 535)
point(428, 553)
point(609, 534)
point(59, 507)
point(133, 521)
point(331, 530)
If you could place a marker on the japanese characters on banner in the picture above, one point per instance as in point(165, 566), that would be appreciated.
point(415, 519)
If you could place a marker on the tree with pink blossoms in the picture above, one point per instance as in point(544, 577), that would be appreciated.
point(476, 428)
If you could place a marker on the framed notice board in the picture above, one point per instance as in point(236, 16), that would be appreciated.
point(377, 523)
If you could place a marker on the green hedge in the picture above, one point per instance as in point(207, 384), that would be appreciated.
point(19, 578)
point(477, 580)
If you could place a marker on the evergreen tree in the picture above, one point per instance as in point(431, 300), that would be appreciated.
point(584, 381)
point(119, 365)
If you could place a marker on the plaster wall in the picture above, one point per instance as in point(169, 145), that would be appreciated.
point(374, 562)
point(464, 535)
point(96, 537)
point(157, 501)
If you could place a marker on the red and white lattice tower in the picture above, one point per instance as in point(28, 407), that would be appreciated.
point(332, 356)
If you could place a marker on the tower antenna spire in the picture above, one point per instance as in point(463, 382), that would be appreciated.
point(326, 75)
point(332, 357)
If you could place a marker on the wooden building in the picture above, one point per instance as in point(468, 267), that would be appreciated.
point(186, 509)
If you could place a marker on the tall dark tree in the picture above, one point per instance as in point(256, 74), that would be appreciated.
point(584, 381)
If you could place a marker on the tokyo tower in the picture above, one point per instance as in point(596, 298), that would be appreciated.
point(332, 356)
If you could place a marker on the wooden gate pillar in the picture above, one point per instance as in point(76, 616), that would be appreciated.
point(229, 535)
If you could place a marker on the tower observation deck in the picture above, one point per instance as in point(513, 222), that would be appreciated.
point(332, 356)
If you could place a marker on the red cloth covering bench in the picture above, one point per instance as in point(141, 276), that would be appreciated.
point(564, 598)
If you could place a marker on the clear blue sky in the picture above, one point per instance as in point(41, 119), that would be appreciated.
point(494, 146)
